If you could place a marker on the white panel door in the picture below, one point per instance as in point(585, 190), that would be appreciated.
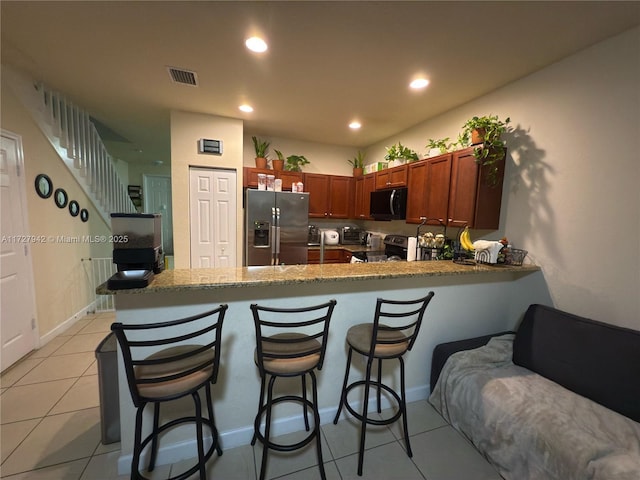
point(212, 207)
point(157, 199)
point(16, 282)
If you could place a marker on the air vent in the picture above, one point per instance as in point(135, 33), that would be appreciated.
point(184, 77)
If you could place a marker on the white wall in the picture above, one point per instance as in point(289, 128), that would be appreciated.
point(186, 129)
point(323, 158)
point(571, 195)
point(62, 279)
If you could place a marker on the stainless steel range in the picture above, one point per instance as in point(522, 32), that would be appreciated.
point(395, 247)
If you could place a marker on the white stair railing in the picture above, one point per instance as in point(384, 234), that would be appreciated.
point(71, 132)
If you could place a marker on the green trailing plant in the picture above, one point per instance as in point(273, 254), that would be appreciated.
point(440, 144)
point(399, 151)
point(492, 148)
point(261, 147)
point(279, 154)
point(295, 163)
point(358, 160)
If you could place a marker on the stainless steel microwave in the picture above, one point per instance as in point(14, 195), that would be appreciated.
point(389, 204)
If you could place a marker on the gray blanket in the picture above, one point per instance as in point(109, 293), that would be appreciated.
point(530, 427)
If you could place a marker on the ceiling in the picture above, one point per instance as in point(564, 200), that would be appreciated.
point(327, 64)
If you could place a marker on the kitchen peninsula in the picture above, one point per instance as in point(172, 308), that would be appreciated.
point(469, 300)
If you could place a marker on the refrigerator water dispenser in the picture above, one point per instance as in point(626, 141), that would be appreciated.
point(261, 234)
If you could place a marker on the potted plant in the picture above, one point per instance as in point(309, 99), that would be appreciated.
point(438, 147)
point(295, 163)
point(357, 163)
point(398, 154)
point(486, 132)
point(278, 163)
point(261, 147)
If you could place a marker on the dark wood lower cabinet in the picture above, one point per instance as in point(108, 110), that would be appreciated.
point(330, 256)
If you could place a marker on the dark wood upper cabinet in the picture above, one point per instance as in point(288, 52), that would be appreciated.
point(392, 177)
point(330, 196)
point(472, 200)
point(363, 188)
point(250, 177)
point(428, 190)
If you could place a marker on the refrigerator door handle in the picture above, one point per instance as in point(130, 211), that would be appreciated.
point(273, 235)
point(277, 241)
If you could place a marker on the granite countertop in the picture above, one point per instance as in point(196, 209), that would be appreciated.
point(235, 277)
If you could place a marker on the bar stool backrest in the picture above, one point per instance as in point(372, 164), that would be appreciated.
point(288, 330)
point(398, 321)
point(189, 345)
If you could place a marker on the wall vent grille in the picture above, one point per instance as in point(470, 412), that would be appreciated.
point(184, 77)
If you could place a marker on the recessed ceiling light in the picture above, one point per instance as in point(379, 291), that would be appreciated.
point(419, 83)
point(246, 108)
point(256, 44)
point(355, 125)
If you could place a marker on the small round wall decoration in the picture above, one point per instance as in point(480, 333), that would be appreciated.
point(60, 197)
point(74, 208)
point(84, 215)
point(44, 186)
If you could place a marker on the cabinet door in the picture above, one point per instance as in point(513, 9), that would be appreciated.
point(341, 202)
point(313, 256)
point(417, 192)
point(362, 203)
point(318, 187)
point(428, 187)
point(472, 201)
point(392, 177)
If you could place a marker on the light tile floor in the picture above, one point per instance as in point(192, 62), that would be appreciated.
point(50, 430)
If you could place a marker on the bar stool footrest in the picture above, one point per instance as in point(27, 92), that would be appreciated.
point(179, 421)
point(369, 420)
point(290, 447)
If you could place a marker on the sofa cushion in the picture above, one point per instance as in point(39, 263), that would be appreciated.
point(594, 359)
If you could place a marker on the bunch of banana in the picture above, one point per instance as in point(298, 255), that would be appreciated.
point(465, 240)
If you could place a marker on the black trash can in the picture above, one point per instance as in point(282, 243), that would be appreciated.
point(107, 358)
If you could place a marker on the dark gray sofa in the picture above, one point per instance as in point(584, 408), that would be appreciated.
point(559, 398)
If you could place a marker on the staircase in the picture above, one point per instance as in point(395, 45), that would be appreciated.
point(74, 137)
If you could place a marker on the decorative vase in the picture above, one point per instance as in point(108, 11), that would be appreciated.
point(477, 136)
point(277, 164)
point(357, 172)
point(261, 162)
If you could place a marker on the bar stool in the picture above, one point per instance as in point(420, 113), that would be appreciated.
point(188, 362)
point(281, 352)
point(383, 341)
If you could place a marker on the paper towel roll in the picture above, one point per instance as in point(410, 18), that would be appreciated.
point(412, 244)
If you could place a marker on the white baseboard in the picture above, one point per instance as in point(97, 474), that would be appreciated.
point(242, 436)
point(66, 325)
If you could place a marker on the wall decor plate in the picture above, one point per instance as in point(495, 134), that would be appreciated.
point(74, 208)
point(44, 186)
point(60, 197)
point(84, 214)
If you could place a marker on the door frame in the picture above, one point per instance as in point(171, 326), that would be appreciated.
point(22, 194)
point(145, 202)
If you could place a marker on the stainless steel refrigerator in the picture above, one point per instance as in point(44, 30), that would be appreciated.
point(276, 227)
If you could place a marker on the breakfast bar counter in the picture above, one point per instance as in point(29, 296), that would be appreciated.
point(183, 280)
point(470, 300)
